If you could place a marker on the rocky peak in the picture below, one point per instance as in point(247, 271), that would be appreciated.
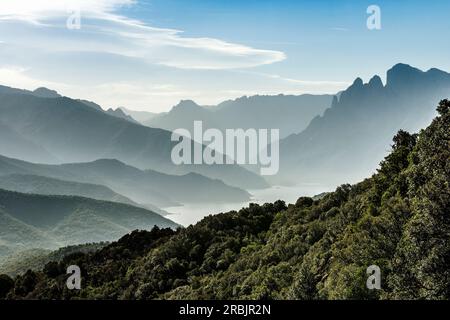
point(46, 93)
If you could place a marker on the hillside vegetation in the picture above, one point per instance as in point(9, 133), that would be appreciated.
point(50, 222)
point(48, 186)
point(315, 249)
point(146, 187)
point(36, 259)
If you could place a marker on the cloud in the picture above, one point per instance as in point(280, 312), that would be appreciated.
point(37, 11)
point(313, 85)
point(161, 92)
point(41, 25)
point(16, 76)
point(117, 61)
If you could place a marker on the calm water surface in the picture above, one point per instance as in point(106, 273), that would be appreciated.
point(192, 213)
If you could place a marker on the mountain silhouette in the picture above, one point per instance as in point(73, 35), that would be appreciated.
point(351, 138)
point(144, 187)
point(25, 183)
point(290, 114)
point(120, 114)
point(46, 93)
point(73, 131)
point(140, 116)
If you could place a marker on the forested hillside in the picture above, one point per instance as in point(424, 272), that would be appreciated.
point(315, 249)
point(36, 259)
point(30, 221)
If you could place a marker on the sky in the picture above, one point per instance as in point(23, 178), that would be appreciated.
point(150, 54)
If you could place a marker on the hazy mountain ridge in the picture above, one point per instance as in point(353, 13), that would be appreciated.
point(75, 132)
point(141, 116)
point(349, 140)
point(39, 92)
point(145, 187)
point(48, 186)
point(120, 114)
point(290, 114)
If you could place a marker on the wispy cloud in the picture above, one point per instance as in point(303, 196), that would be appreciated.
point(17, 77)
point(38, 11)
point(103, 29)
point(118, 61)
point(326, 85)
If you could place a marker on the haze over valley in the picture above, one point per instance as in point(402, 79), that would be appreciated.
point(55, 145)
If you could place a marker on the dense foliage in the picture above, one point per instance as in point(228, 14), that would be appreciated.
point(315, 249)
point(53, 221)
point(36, 259)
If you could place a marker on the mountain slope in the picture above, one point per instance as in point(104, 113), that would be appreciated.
point(139, 185)
point(16, 235)
point(120, 114)
point(290, 114)
point(75, 132)
point(348, 141)
point(316, 249)
point(144, 187)
point(12, 144)
point(36, 259)
point(48, 186)
point(41, 92)
point(141, 116)
point(49, 222)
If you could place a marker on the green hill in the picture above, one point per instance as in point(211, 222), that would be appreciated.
point(48, 186)
point(49, 222)
point(26, 183)
point(36, 259)
point(315, 249)
point(147, 187)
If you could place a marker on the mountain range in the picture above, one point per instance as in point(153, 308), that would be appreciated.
point(144, 187)
point(327, 139)
point(347, 142)
point(119, 113)
point(27, 183)
point(74, 131)
point(140, 116)
point(290, 114)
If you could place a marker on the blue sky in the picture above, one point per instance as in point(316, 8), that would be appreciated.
point(148, 55)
